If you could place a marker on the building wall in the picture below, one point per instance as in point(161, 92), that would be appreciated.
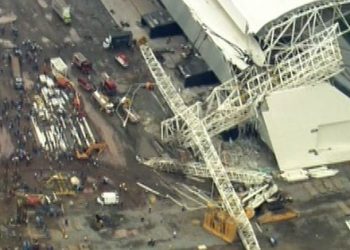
point(194, 31)
point(261, 127)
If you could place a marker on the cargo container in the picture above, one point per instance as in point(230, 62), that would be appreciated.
point(16, 72)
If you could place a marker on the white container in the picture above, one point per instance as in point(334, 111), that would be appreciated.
point(58, 65)
point(108, 198)
point(323, 173)
point(295, 175)
point(42, 79)
point(202, 247)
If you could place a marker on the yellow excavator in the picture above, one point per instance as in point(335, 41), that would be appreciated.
point(96, 147)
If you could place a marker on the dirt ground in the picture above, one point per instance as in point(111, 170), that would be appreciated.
point(6, 146)
point(115, 154)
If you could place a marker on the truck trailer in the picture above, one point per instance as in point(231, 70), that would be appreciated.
point(82, 63)
point(63, 10)
point(16, 72)
point(58, 66)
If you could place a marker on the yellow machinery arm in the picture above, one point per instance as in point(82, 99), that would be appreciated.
point(270, 217)
point(99, 147)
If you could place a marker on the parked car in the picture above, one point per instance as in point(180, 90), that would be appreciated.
point(122, 59)
point(85, 84)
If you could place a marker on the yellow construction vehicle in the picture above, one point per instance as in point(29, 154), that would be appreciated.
point(99, 147)
point(61, 185)
point(283, 215)
point(129, 112)
point(219, 223)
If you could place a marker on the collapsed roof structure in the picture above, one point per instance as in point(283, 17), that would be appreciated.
point(255, 48)
point(232, 35)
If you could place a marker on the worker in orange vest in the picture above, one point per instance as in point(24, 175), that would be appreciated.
point(149, 86)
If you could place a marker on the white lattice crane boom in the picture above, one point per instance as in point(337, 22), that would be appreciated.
point(263, 187)
point(198, 169)
point(202, 140)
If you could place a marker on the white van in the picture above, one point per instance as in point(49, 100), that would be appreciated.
point(108, 198)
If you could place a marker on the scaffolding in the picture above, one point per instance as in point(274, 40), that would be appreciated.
point(314, 60)
point(306, 22)
point(209, 154)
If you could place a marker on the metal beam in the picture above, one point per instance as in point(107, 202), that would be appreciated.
point(198, 169)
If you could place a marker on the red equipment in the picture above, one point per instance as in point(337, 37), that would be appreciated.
point(85, 84)
point(109, 84)
point(122, 60)
point(63, 82)
point(78, 105)
point(34, 200)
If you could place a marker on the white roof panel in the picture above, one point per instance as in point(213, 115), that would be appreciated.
point(308, 126)
point(252, 15)
point(224, 32)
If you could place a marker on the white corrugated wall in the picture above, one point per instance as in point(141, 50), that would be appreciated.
point(197, 35)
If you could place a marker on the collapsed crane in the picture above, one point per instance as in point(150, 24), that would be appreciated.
point(198, 169)
point(202, 140)
point(234, 102)
point(263, 189)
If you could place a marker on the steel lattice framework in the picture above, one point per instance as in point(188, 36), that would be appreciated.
point(235, 101)
point(300, 48)
point(264, 188)
point(198, 169)
point(287, 32)
point(202, 140)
